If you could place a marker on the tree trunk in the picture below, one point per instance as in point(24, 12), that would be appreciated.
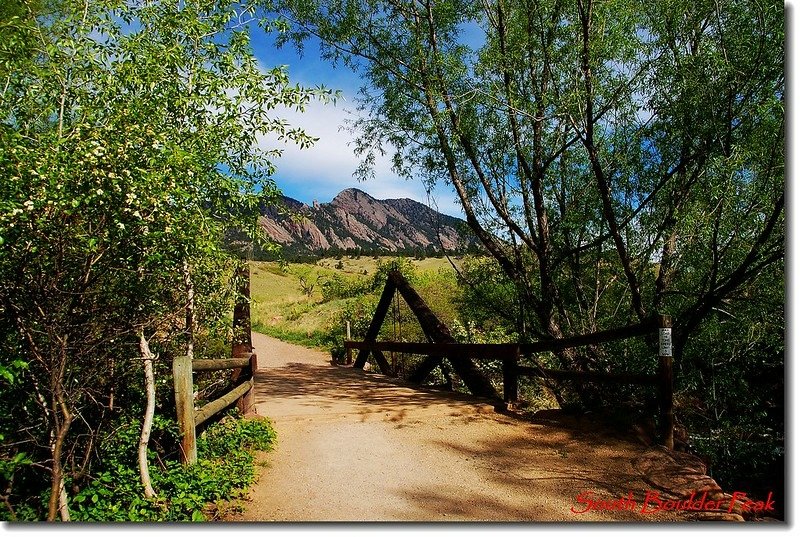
point(187, 282)
point(63, 510)
point(58, 500)
point(144, 439)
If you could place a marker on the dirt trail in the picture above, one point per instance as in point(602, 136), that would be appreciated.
point(358, 446)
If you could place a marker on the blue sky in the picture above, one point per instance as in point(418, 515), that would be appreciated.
point(321, 172)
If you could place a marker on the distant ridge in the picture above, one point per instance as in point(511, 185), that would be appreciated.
point(355, 221)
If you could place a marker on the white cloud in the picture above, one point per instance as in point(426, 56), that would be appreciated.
point(323, 170)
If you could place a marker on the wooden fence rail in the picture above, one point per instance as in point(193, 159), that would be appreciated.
point(218, 365)
point(242, 365)
point(445, 350)
point(510, 355)
point(218, 405)
point(189, 418)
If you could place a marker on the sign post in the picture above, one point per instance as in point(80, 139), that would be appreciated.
point(666, 399)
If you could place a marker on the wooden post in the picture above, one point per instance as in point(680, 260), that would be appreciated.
point(246, 404)
point(184, 403)
point(349, 359)
point(377, 320)
point(510, 378)
point(665, 386)
point(384, 366)
point(242, 338)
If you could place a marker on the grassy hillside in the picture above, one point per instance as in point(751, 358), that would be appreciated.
point(308, 303)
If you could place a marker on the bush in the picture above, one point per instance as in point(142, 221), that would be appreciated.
point(225, 467)
point(338, 286)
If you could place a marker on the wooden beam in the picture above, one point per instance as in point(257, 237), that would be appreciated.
point(223, 363)
point(433, 329)
point(454, 350)
point(425, 368)
point(438, 332)
point(430, 323)
point(493, 350)
point(218, 405)
point(588, 376)
point(377, 320)
point(383, 364)
point(595, 338)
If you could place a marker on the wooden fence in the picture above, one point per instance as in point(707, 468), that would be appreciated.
point(442, 345)
point(242, 365)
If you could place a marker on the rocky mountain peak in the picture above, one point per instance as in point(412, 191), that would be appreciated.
point(351, 194)
point(355, 220)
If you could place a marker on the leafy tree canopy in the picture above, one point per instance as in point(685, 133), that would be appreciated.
point(131, 141)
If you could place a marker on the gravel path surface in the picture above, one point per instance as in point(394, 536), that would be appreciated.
point(356, 446)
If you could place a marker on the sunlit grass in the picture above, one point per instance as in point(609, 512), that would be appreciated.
point(282, 309)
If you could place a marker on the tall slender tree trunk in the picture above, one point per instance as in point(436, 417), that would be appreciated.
point(190, 320)
point(144, 439)
point(58, 500)
point(62, 420)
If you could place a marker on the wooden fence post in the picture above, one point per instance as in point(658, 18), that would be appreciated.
point(510, 378)
point(665, 382)
point(242, 336)
point(375, 327)
point(184, 403)
point(246, 403)
point(349, 351)
point(242, 339)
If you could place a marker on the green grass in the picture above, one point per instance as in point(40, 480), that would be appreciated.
point(280, 307)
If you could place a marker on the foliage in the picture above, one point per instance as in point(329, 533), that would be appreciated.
point(402, 264)
point(224, 468)
point(745, 460)
point(338, 286)
point(308, 338)
point(231, 435)
point(280, 308)
point(131, 142)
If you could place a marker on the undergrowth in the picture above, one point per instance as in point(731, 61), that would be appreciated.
point(204, 491)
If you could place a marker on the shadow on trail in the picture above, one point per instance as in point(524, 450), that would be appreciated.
point(541, 476)
point(326, 387)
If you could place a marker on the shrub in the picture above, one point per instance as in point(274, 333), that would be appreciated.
point(225, 467)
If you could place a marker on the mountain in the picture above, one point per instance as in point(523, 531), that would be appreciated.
point(355, 220)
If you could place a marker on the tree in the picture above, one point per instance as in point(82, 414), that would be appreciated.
point(129, 145)
point(616, 159)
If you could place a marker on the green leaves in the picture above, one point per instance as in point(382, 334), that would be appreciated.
point(131, 141)
point(224, 469)
point(11, 372)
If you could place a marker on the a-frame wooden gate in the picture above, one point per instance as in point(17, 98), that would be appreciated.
point(441, 344)
point(436, 332)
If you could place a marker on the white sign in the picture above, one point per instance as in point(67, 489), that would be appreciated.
point(665, 341)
